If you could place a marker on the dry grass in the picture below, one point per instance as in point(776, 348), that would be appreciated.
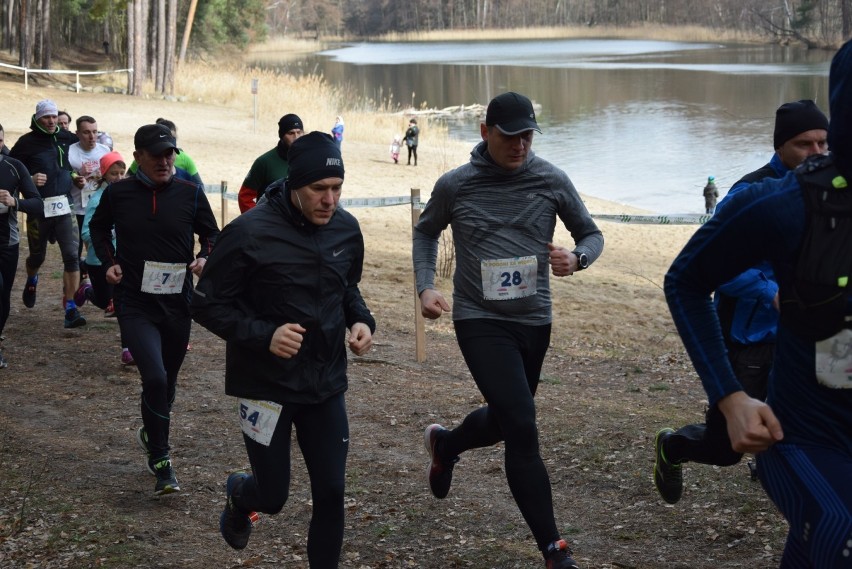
point(646, 32)
point(310, 96)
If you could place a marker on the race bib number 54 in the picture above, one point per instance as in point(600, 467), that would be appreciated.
point(258, 419)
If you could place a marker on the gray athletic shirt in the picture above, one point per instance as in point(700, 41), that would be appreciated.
point(500, 214)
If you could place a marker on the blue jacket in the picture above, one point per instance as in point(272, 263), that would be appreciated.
point(745, 303)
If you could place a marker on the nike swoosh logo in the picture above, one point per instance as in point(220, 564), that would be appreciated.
point(338, 252)
point(346, 440)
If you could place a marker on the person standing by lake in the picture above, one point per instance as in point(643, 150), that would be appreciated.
point(711, 194)
point(286, 353)
point(337, 131)
point(412, 139)
point(503, 207)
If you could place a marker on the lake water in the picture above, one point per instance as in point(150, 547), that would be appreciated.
point(637, 122)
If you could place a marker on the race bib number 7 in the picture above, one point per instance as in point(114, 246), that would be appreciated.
point(258, 419)
point(163, 278)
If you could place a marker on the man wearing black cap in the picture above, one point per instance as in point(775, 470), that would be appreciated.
point(270, 166)
point(802, 433)
point(747, 307)
point(281, 287)
point(503, 207)
point(155, 216)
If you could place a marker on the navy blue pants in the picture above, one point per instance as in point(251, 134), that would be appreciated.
point(810, 485)
point(505, 360)
point(322, 431)
point(708, 442)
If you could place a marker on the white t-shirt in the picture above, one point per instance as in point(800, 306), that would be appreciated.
point(88, 164)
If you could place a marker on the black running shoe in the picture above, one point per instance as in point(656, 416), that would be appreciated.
point(73, 318)
point(439, 473)
point(166, 480)
point(558, 556)
point(668, 477)
point(235, 524)
point(29, 295)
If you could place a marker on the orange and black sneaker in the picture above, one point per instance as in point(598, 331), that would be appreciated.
point(558, 556)
point(440, 472)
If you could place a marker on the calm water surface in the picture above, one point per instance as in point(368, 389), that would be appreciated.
point(637, 122)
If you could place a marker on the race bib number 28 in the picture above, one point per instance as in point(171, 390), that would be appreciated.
point(258, 419)
point(508, 279)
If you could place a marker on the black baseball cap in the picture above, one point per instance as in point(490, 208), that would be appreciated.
point(155, 138)
point(511, 113)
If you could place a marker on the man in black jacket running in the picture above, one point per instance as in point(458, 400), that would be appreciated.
point(281, 287)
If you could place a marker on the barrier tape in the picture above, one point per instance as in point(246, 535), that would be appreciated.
point(669, 219)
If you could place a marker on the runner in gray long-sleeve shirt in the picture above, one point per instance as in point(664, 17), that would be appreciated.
point(502, 207)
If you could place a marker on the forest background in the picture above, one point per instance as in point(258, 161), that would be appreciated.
point(143, 34)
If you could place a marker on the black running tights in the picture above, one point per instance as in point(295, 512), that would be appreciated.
point(505, 359)
point(322, 431)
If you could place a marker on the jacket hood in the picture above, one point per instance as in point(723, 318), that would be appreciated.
point(840, 107)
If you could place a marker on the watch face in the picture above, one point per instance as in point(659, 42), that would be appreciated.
point(582, 260)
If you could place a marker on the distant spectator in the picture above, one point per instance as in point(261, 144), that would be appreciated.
point(412, 136)
point(711, 194)
point(337, 131)
point(394, 148)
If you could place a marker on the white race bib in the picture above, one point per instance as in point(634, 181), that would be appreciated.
point(163, 278)
point(834, 361)
point(86, 194)
point(508, 279)
point(56, 206)
point(258, 419)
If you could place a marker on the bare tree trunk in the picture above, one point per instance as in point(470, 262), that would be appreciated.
point(187, 30)
point(131, 46)
point(138, 47)
point(161, 46)
point(171, 45)
point(46, 55)
point(25, 47)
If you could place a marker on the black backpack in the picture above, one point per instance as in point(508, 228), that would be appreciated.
point(815, 306)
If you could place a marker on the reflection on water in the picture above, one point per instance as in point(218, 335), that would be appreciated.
point(638, 122)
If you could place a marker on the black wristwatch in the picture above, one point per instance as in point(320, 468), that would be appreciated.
point(582, 261)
